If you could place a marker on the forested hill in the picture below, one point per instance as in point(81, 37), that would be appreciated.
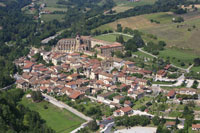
point(14, 28)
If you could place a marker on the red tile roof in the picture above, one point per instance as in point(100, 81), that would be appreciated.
point(195, 125)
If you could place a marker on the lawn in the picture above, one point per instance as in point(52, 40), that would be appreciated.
point(110, 37)
point(177, 56)
point(195, 69)
point(143, 55)
point(58, 119)
point(141, 102)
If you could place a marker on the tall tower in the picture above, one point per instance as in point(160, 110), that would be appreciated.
point(78, 42)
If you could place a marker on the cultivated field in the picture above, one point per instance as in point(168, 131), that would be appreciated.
point(58, 119)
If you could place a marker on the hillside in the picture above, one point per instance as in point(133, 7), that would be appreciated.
point(183, 35)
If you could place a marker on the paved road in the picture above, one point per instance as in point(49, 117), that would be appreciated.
point(65, 106)
point(140, 49)
point(114, 33)
point(189, 83)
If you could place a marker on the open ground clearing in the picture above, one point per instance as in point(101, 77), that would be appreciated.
point(110, 37)
point(58, 119)
point(123, 5)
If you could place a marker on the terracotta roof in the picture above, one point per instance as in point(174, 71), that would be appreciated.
point(171, 93)
point(28, 65)
point(118, 97)
point(126, 109)
point(75, 94)
point(161, 72)
point(170, 123)
point(195, 125)
point(111, 46)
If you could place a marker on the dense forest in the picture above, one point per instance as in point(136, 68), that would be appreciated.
point(14, 117)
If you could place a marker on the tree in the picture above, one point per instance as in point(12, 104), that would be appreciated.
point(119, 28)
point(93, 125)
point(156, 120)
point(36, 96)
point(120, 39)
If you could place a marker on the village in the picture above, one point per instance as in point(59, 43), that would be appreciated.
point(85, 67)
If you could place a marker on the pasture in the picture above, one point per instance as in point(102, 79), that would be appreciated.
point(58, 119)
point(110, 37)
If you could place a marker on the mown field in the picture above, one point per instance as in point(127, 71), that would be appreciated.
point(110, 37)
point(58, 119)
point(123, 5)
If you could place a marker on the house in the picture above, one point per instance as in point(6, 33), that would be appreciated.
point(196, 127)
point(71, 84)
point(28, 67)
point(102, 97)
point(66, 90)
point(129, 64)
point(118, 63)
point(73, 76)
point(187, 91)
point(127, 103)
point(167, 66)
point(76, 95)
point(22, 84)
point(160, 74)
point(123, 111)
point(85, 90)
point(104, 75)
point(170, 124)
point(117, 99)
point(171, 94)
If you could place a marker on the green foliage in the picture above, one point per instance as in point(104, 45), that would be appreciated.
point(156, 120)
point(132, 121)
point(36, 96)
point(14, 117)
point(93, 125)
point(134, 43)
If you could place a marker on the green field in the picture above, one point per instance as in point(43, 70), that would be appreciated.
point(50, 17)
point(134, 4)
point(52, 6)
point(123, 5)
point(58, 119)
point(176, 54)
point(110, 37)
point(143, 55)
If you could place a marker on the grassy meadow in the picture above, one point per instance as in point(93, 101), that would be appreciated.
point(58, 119)
point(110, 37)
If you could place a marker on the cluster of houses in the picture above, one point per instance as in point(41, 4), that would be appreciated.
point(77, 75)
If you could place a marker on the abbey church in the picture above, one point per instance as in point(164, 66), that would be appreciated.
point(77, 44)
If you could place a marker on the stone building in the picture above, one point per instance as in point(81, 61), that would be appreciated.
point(77, 44)
point(108, 49)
